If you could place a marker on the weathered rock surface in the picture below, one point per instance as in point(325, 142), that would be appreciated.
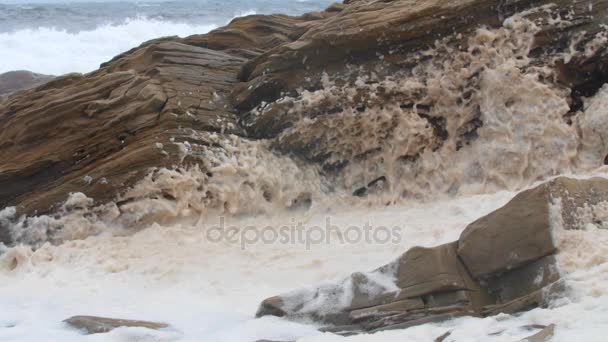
point(503, 263)
point(13, 81)
point(542, 336)
point(107, 124)
point(97, 325)
point(102, 132)
point(522, 231)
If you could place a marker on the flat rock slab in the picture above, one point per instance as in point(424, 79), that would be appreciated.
point(96, 325)
point(541, 336)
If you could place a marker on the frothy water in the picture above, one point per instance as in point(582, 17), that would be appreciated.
point(210, 291)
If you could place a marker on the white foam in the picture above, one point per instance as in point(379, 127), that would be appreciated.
point(210, 291)
point(207, 291)
point(54, 51)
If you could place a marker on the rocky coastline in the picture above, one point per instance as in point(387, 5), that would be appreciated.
point(370, 100)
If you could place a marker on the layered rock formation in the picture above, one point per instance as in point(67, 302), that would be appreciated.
point(402, 97)
point(97, 325)
point(504, 262)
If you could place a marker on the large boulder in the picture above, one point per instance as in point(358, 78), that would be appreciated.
point(108, 124)
point(503, 263)
point(524, 229)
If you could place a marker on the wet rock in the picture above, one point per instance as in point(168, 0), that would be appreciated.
point(538, 298)
point(523, 230)
point(431, 318)
point(443, 337)
point(97, 325)
point(542, 336)
point(271, 307)
point(434, 284)
point(423, 271)
point(518, 233)
point(392, 29)
point(523, 280)
point(379, 311)
point(358, 291)
point(106, 126)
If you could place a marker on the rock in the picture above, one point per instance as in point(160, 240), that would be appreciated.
point(170, 102)
point(538, 298)
point(523, 230)
point(518, 233)
point(96, 325)
point(393, 29)
point(391, 325)
point(13, 81)
point(359, 291)
point(443, 337)
point(272, 306)
point(523, 280)
point(106, 126)
point(541, 336)
point(379, 311)
point(423, 271)
point(434, 284)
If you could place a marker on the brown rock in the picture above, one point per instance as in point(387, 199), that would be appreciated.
point(392, 308)
point(272, 306)
point(96, 325)
point(523, 280)
point(538, 298)
point(425, 320)
point(435, 284)
point(518, 233)
point(427, 270)
point(443, 337)
point(364, 29)
point(541, 336)
point(106, 126)
point(522, 230)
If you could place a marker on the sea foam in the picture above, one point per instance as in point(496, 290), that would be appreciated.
point(54, 51)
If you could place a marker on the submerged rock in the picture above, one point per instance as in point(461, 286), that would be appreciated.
point(503, 263)
point(97, 325)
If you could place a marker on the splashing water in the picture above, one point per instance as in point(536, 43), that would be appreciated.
point(483, 119)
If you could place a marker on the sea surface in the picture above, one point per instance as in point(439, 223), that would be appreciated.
point(58, 37)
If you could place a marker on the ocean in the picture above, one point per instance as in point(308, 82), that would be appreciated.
point(58, 37)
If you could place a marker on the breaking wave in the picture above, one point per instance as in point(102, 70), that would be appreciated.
point(54, 51)
point(485, 118)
